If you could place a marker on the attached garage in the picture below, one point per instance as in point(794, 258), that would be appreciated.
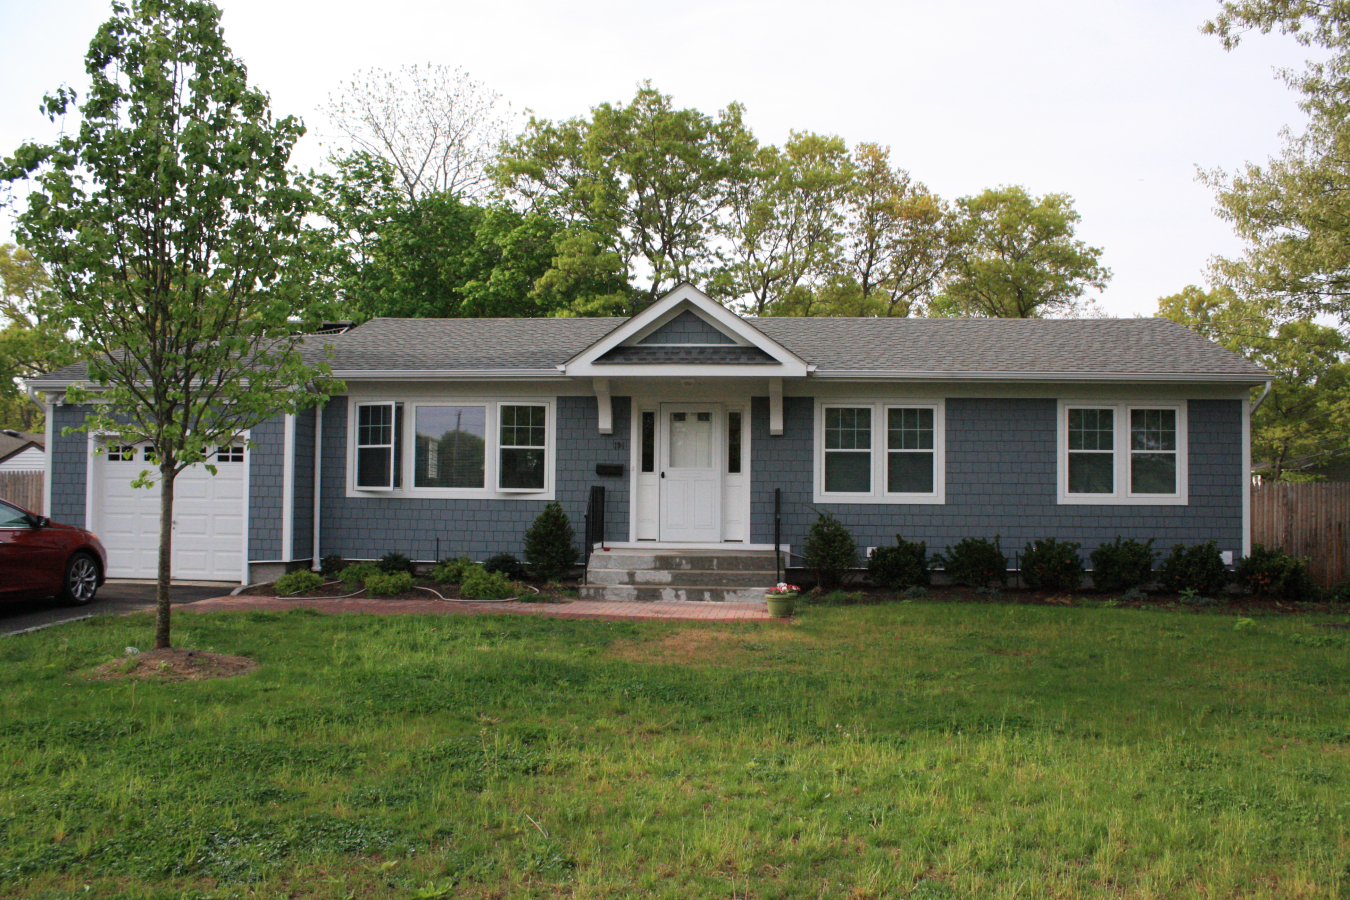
point(209, 515)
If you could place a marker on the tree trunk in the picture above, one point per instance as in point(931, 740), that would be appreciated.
point(166, 476)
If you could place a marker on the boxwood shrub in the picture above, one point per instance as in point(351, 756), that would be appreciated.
point(975, 562)
point(1199, 568)
point(1121, 565)
point(297, 582)
point(1049, 565)
point(903, 566)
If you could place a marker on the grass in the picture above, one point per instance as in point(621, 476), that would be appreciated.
point(919, 750)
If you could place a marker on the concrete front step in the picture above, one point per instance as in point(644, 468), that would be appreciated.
point(681, 577)
point(696, 561)
point(644, 594)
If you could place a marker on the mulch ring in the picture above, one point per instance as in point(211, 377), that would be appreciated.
point(545, 593)
point(173, 664)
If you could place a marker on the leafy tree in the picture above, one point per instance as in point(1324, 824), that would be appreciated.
point(783, 221)
point(1305, 421)
point(438, 129)
point(29, 343)
point(639, 186)
point(1016, 257)
point(435, 256)
point(172, 228)
point(1293, 211)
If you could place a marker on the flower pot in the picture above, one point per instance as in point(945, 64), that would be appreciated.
point(781, 605)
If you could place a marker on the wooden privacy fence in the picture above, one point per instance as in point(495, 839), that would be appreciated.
point(1311, 520)
point(23, 488)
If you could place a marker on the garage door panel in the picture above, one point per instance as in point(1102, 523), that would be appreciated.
point(208, 521)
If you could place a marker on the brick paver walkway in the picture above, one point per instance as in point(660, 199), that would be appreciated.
point(577, 609)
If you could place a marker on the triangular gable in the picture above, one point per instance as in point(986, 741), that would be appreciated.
point(688, 317)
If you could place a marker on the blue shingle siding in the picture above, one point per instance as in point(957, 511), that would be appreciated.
point(1001, 479)
point(303, 518)
point(368, 527)
point(70, 466)
point(686, 328)
point(267, 451)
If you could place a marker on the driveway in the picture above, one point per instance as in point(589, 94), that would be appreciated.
point(114, 598)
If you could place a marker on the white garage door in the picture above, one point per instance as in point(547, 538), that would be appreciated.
point(208, 530)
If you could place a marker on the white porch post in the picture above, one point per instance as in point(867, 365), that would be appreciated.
point(775, 406)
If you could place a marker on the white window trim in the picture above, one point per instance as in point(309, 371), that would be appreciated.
point(1123, 496)
point(489, 491)
point(880, 453)
point(392, 446)
point(497, 448)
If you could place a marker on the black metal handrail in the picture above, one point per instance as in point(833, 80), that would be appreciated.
point(594, 527)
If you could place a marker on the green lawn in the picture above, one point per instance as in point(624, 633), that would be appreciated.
point(920, 750)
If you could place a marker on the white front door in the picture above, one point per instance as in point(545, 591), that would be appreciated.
point(691, 472)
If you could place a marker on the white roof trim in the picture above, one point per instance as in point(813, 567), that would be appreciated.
point(686, 296)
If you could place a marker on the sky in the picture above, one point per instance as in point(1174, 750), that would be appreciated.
point(1114, 102)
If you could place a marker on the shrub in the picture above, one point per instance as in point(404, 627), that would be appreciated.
point(451, 571)
point(903, 566)
point(507, 565)
point(1122, 565)
point(357, 573)
point(393, 562)
point(1199, 568)
point(1048, 565)
point(332, 564)
point(480, 584)
point(548, 544)
point(1270, 572)
point(298, 582)
point(830, 550)
point(1338, 592)
point(975, 561)
point(388, 584)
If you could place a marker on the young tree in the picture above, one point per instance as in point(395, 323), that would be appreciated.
point(172, 228)
point(639, 185)
point(1016, 257)
point(438, 129)
point(29, 343)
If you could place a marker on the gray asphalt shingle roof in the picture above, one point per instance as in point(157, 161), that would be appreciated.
point(1084, 349)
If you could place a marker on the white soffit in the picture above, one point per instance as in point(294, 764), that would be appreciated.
point(686, 297)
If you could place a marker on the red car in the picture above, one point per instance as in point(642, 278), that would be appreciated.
point(39, 558)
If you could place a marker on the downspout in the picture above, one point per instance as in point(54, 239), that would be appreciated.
point(316, 565)
point(1259, 400)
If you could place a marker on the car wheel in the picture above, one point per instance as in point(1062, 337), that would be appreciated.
point(81, 580)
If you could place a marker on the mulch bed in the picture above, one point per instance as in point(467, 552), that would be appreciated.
point(546, 593)
point(1226, 605)
point(173, 664)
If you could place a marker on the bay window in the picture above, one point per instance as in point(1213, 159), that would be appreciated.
point(452, 448)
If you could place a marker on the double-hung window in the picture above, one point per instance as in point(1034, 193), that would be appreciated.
point(879, 452)
point(1127, 452)
point(523, 447)
point(379, 446)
